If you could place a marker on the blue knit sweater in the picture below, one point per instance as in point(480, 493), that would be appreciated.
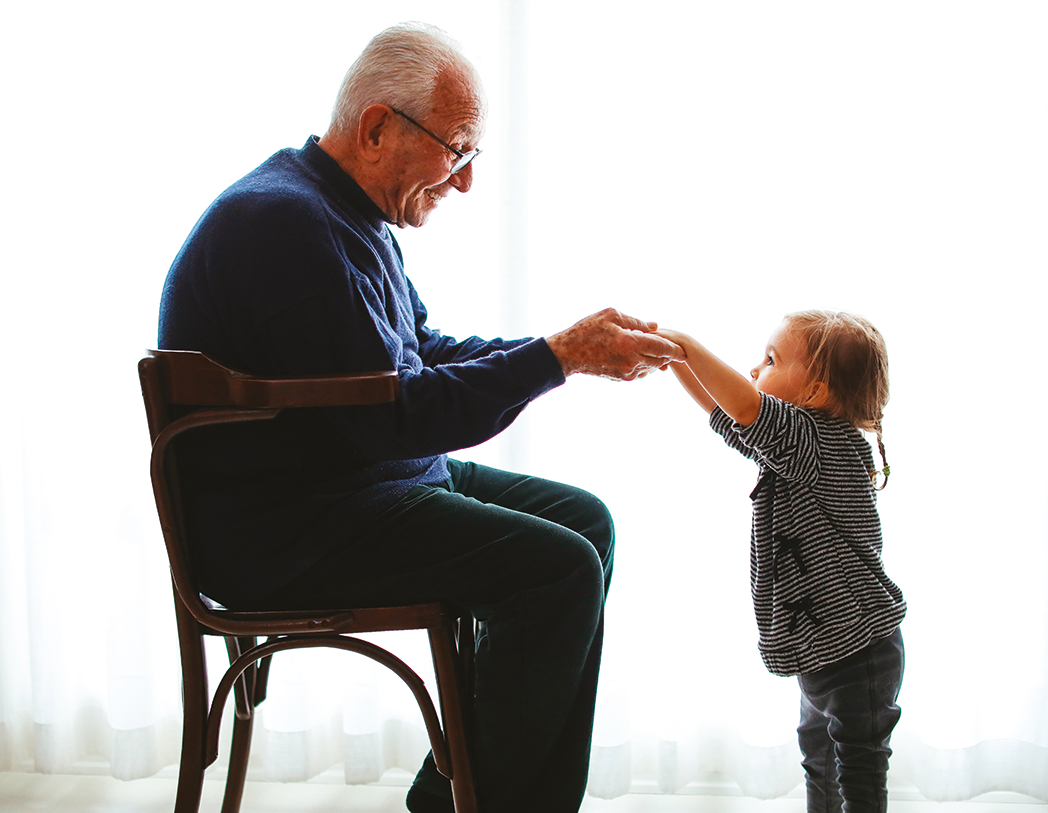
point(294, 271)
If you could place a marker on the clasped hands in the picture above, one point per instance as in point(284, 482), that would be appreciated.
point(613, 345)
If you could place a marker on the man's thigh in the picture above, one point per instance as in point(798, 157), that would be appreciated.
point(565, 505)
point(487, 537)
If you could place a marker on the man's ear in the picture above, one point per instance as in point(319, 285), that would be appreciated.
point(374, 132)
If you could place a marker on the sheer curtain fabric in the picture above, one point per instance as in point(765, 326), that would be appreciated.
point(712, 166)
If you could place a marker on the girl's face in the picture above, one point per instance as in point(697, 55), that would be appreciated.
point(782, 373)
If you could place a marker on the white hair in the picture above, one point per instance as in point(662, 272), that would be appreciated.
point(399, 67)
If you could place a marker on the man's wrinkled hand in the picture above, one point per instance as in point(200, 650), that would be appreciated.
point(613, 345)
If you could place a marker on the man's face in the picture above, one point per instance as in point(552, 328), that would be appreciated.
point(420, 175)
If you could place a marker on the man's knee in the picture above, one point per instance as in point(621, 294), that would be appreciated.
point(569, 555)
point(594, 522)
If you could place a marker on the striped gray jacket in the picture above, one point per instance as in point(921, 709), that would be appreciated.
point(819, 588)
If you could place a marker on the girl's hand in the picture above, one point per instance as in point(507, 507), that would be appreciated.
point(678, 338)
point(711, 382)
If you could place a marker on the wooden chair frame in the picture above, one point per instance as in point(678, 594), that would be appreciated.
point(209, 394)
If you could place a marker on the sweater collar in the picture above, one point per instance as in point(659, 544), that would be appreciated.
point(349, 190)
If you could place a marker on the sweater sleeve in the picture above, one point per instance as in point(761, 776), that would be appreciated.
point(436, 348)
point(784, 438)
point(723, 425)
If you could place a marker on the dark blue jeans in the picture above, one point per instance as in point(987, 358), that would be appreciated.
point(848, 712)
point(532, 560)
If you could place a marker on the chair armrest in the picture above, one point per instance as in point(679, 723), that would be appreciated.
point(193, 379)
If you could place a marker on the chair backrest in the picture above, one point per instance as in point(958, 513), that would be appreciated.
point(185, 390)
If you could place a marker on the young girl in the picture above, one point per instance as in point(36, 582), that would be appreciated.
point(825, 609)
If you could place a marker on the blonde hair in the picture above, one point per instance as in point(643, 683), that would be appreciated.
point(849, 355)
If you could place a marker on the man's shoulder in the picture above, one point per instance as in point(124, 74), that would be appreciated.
point(285, 197)
point(281, 217)
point(279, 188)
point(258, 222)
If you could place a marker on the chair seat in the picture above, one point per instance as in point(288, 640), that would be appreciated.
point(357, 620)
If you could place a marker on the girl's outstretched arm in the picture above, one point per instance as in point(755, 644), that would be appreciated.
point(688, 380)
point(711, 382)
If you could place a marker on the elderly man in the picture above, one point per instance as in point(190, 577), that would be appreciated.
point(294, 271)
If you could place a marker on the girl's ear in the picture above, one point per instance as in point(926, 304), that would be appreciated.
point(819, 396)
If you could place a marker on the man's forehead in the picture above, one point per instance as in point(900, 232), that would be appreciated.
point(459, 98)
point(472, 130)
point(464, 121)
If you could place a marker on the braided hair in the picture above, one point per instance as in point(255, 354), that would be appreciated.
point(849, 354)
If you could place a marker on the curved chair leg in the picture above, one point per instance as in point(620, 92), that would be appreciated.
point(467, 653)
point(262, 679)
point(244, 688)
point(454, 708)
point(194, 713)
point(191, 763)
point(243, 722)
point(237, 764)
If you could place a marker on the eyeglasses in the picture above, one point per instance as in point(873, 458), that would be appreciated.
point(463, 158)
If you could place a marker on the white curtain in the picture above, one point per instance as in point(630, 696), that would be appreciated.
point(709, 165)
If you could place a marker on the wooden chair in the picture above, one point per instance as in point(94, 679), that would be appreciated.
point(183, 391)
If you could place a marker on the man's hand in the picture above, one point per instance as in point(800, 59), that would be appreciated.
point(612, 345)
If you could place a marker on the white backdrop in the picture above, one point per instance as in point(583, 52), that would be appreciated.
point(709, 165)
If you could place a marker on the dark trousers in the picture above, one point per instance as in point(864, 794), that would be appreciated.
point(532, 560)
point(848, 712)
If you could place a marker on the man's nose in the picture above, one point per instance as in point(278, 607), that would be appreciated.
point(463, 179)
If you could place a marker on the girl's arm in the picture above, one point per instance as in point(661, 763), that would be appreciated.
point(690, 383)
point(712, 383)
